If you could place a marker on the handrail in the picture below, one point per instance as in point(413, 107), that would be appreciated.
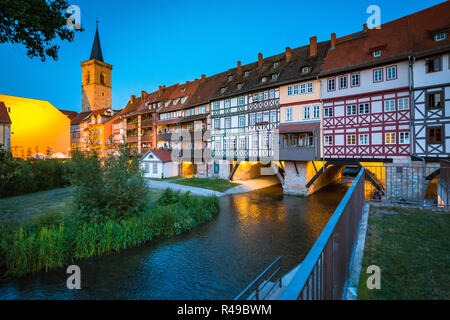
point(256, 281)
point(296, 286)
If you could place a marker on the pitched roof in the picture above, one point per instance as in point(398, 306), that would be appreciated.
point(298, 127)
point(69, 114)
point(96, 52)
point(287, 71)
point(163, 155)
point(80, 117)
point(398, 39)
point(206, 89)
point(4, 116)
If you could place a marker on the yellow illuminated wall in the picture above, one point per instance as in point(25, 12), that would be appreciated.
point(36, 126)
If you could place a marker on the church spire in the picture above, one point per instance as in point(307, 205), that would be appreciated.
point(96, 52)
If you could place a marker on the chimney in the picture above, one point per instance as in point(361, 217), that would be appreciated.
point(260, 59)
point(288, 54)
point(313, 46)
point(143, 94)
point(203, 76)
point(132, 97)
point(333, 40)
point(365, 27)
point(239, 66)
point(160, 90)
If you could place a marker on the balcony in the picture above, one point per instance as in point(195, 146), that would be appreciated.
point(132, 139)
point(299, 153)
point(131, 125)
point(164, 136)
point(146, 138)
point(147, 123)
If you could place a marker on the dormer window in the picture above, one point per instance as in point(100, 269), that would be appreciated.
point(376, 53)
point(183, 89)
point(305, 69)
point(230, 78)
point(222, 90)
point(441, 36)
point(275, 64)
point(246, 74)
point(275, 76)
point(264, 79)
point(239, 86)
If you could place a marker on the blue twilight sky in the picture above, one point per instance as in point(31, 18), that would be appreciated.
point(150, 43)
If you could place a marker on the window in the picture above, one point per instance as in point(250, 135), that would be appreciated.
point(242, 143)
point(310, 87)
point(260, 96)
point(273, 116)
point(239, 86)
point(266, 117)
point(272, 94)
point(222, 90)
point(306, 113)
point(331, 84)
point(216, 105)
point(275, 76)
point(264, 79)
point(316, 112)
point(88, 77)
point(230, 78)
point(355, 80)
point(296, 89)
point(351, 110)
point(403, 137)
point(389, 105)
point(202, 110)
point(328, 140)
point(305, 69)
point(434, 100)
point(343, 82)
point(246, 74)
point(351, 139)
point(289, 114)
point(403, 104)
point(434, 64)
point(241, 121)
point(435, 135)
point(255, 141)
point(363, 139)
point(364, 108)
point(328, 112)
point(241, 101)
point(376, 53)
point(155, 168)
point(289, 90)
point(303, 88)
point(102, 77)
point(266, 95)
point(378, 75)
point(227, 123)
point(252, 119)
point(389, 138)
point(259, 117)
point(226, 144)
point(440, 36)
point(391, 73)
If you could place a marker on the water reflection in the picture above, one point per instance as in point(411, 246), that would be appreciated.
point(214, 261)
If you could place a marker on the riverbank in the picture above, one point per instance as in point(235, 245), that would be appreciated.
point(411, 247)
point(54, 239)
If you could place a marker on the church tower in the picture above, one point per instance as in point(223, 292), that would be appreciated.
point(96, 79)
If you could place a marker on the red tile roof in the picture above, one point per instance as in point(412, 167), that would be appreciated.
point(169, 121)
point(163, 155)
point(4, 116)
point(298, 127)
point(397, 40)
point(69, 114)
point(80, 117)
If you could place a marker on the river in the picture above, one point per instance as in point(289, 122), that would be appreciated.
point(216, 260)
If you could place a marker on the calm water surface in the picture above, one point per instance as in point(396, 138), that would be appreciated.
point(214, 261)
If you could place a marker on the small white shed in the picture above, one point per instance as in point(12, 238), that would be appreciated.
point(158, 164)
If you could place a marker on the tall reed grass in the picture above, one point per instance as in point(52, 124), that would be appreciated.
point(30, 249)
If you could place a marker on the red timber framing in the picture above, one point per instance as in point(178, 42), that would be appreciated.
point(376, 123)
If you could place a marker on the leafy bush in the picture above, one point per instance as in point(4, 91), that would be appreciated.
point(107, 188)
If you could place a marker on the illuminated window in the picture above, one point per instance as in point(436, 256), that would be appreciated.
point(351, 139)
point(389, 137)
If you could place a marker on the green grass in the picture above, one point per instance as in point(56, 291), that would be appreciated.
point(165, 179)
point(220, 185)
point(412, 249)
point(21, 209)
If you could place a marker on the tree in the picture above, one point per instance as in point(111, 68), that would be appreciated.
point(36, 24)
